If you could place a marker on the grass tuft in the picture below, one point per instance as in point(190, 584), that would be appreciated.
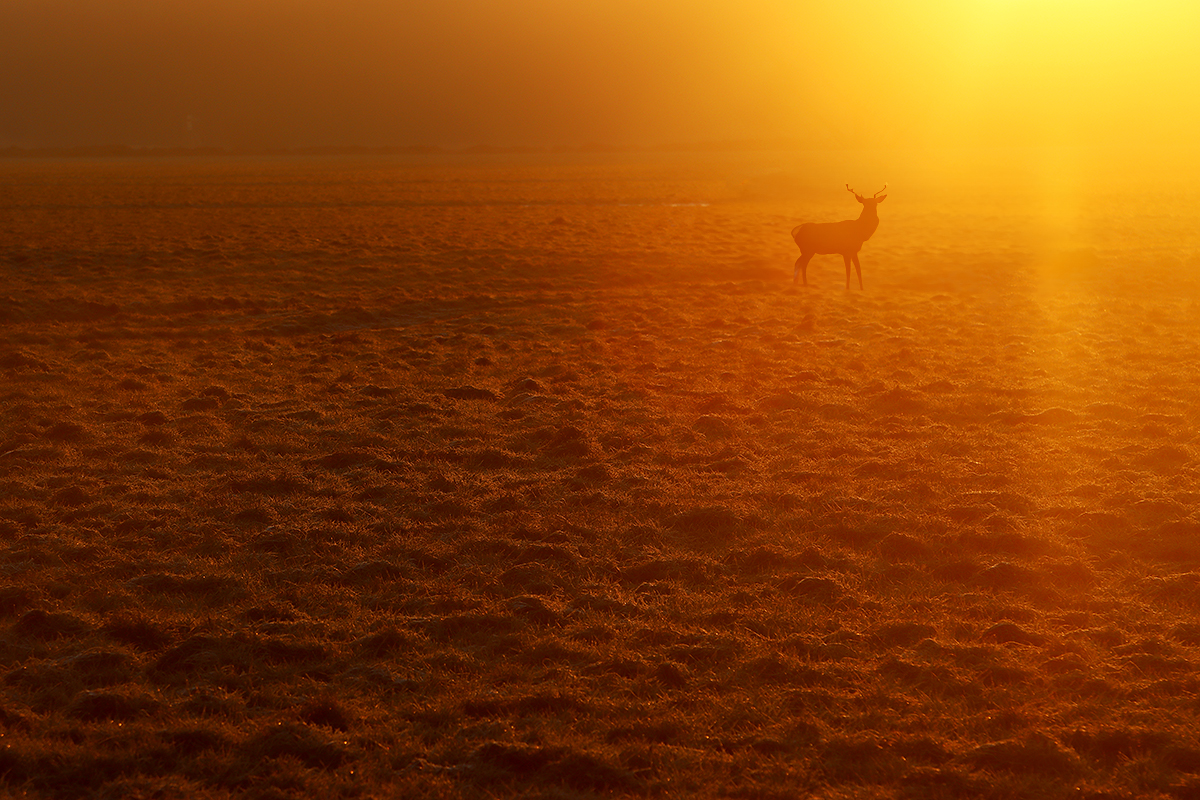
point(285, 740)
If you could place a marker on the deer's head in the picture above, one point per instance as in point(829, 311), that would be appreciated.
point(872, 201)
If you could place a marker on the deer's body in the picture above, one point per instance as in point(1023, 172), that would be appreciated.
point(843, 238)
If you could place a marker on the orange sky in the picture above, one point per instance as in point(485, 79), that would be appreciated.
point(566, 72)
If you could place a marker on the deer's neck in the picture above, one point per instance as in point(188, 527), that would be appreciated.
point(868, 221)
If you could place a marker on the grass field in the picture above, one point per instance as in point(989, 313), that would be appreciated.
point(498, 476)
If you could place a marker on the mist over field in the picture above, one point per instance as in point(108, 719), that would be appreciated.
point(499, 475)
point(286, 74)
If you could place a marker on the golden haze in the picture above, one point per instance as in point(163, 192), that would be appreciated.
point(534, 72)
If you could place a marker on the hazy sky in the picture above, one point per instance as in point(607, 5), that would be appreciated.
point(566, 72)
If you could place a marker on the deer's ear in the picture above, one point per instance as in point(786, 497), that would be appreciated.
point(881, 199)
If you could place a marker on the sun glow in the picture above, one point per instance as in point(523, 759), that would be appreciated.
point(826, 74)
point(1072, 72)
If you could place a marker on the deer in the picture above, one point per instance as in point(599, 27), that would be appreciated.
point(844, 238)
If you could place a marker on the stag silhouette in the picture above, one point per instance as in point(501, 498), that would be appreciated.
point(844, 238)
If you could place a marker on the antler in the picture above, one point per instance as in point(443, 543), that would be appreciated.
point(874, 195)
point(851, 191)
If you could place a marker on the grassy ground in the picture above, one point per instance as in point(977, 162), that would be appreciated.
point(496, 479)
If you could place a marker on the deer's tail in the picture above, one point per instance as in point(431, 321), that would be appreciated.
point(796, 230)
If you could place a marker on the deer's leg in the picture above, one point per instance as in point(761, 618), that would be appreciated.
point(802, 268)
point(847, 258)
point(858, 269)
